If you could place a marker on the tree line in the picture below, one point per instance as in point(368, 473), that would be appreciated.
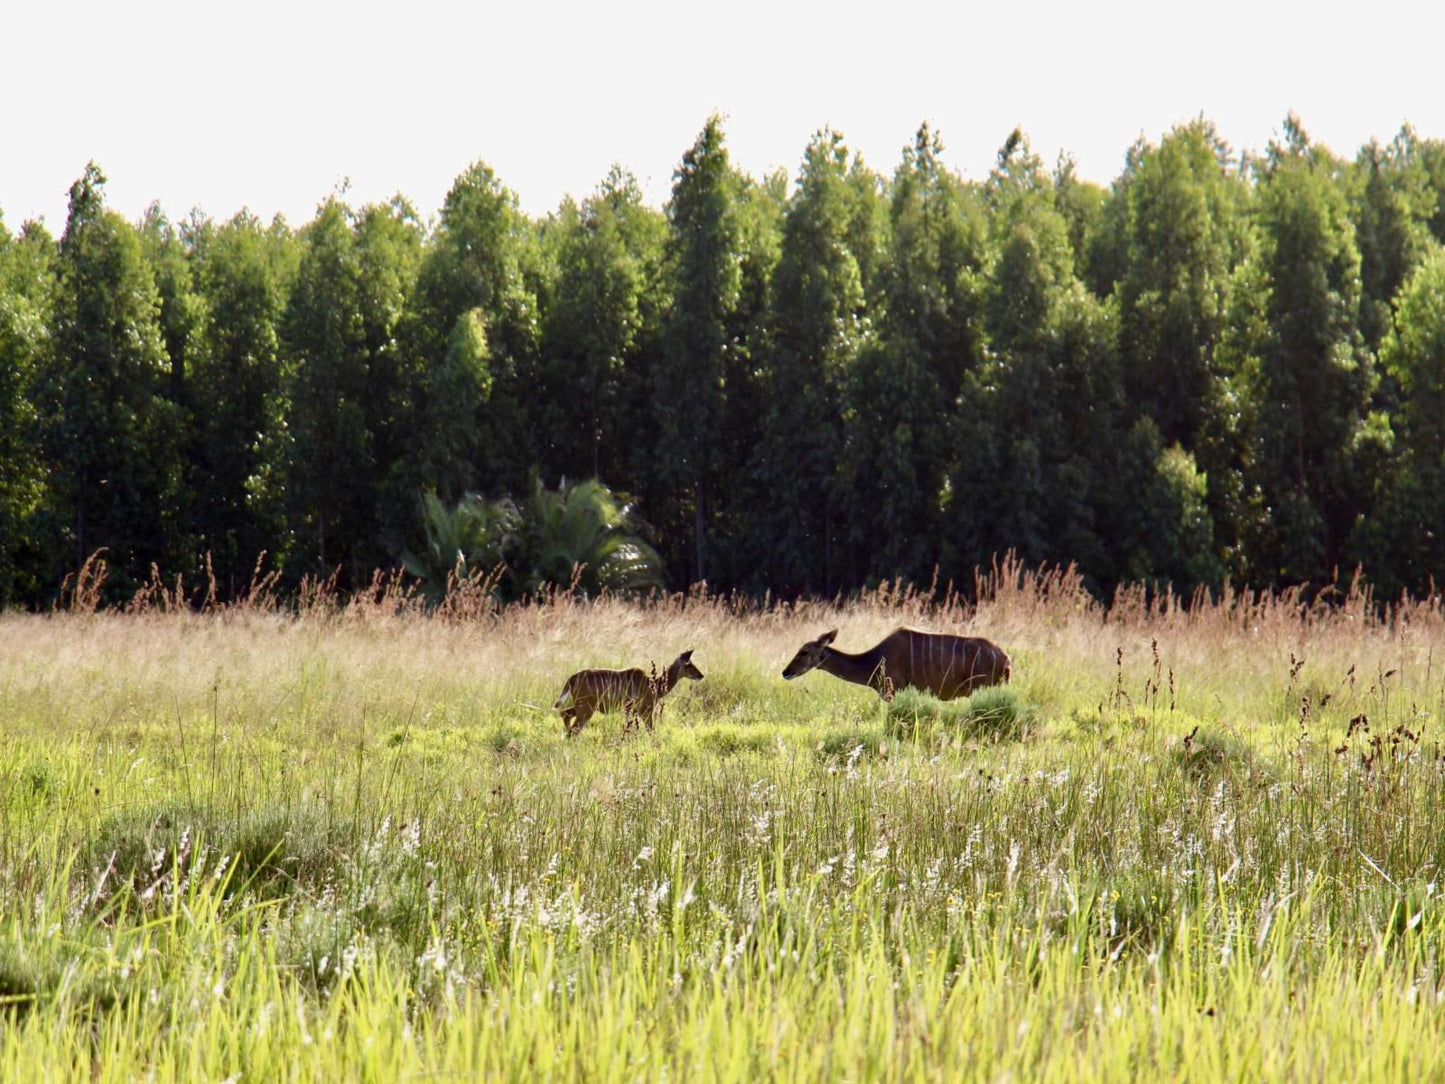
point(1217, 367)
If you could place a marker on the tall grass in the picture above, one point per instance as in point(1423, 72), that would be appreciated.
point(348, 841)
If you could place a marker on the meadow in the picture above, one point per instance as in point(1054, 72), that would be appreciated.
point(348, 840)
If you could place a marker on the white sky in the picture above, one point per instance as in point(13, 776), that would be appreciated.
point(270, 105)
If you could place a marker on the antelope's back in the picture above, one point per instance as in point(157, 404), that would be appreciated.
point(945, 664)
point(607, 690)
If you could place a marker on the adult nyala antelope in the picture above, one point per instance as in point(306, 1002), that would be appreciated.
point(946, 666)
point(633, 692)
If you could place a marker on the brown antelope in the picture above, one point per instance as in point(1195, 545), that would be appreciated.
point(633, 692)
point(946, 666)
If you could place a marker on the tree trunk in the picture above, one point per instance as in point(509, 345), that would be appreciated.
point(700, 523)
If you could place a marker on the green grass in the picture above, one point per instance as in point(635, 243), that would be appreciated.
point(357, 847)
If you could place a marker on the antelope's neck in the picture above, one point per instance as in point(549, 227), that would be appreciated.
point(861, 669)
point(670, 677)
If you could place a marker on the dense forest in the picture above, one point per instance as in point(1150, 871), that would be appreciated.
point(1219, 367)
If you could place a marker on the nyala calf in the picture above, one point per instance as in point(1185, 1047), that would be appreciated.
point(633, 692)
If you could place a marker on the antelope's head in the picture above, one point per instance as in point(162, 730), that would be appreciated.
point(809, 655)
point(684, 668)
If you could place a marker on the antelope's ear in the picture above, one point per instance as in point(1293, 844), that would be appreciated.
point(827, 638)
point(686, 656)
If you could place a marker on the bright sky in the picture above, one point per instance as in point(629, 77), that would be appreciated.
point(271, 105)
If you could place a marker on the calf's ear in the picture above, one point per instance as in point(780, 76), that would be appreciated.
point(827, 638)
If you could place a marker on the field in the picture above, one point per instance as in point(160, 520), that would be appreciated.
point(351, 842)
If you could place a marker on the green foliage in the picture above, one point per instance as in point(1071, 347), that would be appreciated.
point(26, 297)
point(899, 415)
point(242, 271)
point(585, 534)
point(1215, 370)
point(389, 251)
point(1392, 202)
point(1041, 420)
point(689, 392)
point(461, 541)
point(1315, 377)
point(1163, 531)
point(1183, 236)
point(113, 436)
point(605, 316)
point(580, 536)
point(329, 466)
point(480, 272)
point(817, 326)
point(1404, 541)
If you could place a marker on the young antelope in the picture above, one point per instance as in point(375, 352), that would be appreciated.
point(633, 692)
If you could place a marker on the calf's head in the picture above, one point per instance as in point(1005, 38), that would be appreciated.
point(684, 666)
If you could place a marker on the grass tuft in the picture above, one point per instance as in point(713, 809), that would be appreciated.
point(1207, 753)
point(853, 743)
point(997, 714)
point(262, 855)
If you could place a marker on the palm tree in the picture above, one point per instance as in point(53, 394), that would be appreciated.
point(585, 535)
point(467, 540)
point(582, 536)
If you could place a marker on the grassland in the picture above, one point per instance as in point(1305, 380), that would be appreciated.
point(350, 842)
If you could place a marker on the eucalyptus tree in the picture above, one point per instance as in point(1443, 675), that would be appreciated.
point(389, 250)
point(735, 554)
point(603, 321)
point(1315, 377)
point(169, 249)
point(1184, 232)
point(1403, 544)
point(902, 398)
point(1392, 201)
point(818, 324)
point(705, 267)
point(1431, 155)
point(472, 332)
point(1082, 204)
point(112, 436)
point(26, 298)
point(330, 475)
point(1103, 257)
point(1050, 467)
point(243, 274)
